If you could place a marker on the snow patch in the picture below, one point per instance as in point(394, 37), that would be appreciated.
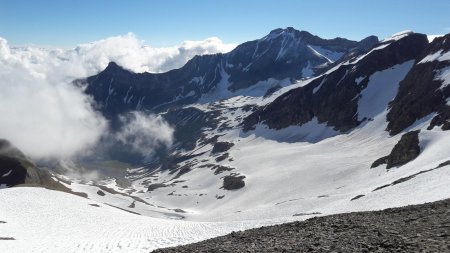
point(307, 71)
point(432, 37)
point(381, 89)
point(7, 173)
point(437, 56)
point(398, 36)
point(331, 56)
point(316, 89)
point(359, 80)
point(444, 76)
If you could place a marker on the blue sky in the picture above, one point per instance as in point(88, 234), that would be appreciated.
point(168, 22)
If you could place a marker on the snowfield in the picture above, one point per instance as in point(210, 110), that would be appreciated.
point(41, 220)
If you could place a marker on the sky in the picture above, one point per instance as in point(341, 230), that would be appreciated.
point(66, 23)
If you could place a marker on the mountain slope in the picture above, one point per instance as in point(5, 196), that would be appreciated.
point(17, 170)
point(406, 229)
point(41, 220)
point(282, 54)
point(333, 98)
point(313, 141)
point(424, 90)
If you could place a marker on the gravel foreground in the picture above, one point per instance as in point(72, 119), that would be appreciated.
point(418, 228)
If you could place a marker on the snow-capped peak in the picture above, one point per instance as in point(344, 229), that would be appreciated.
point(397, 36)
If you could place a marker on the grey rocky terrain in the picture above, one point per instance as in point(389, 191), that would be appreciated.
point(417, 228)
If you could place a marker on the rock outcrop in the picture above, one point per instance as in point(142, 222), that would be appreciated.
point(17, 170)
point(333, 97)
point(406, 150)
point(422, 93)
point(419, 228)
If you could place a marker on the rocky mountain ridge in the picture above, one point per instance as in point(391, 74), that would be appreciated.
point(282, 54)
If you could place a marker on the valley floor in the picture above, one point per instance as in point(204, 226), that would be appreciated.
point(417, 228)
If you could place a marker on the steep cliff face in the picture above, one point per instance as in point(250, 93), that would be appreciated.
point(425, 90)
point(287, 53)
point(117, 90)
point(17, 170)
point(333, 97)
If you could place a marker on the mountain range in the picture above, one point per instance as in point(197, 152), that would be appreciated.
point(285, 127)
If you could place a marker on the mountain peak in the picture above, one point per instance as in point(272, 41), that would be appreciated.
point(399, 35)
point(113, 67)
point(289, 29)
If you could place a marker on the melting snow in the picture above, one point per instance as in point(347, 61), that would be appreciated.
point(381, 89)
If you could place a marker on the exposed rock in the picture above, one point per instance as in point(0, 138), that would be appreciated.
point(188, 123)
point(419, 228)
point(220, 169)
point(153, 187)
point(183, 170)
point(101, 193)
point(305, 214)
point(381, 187)
point(18, 170)
point(333, 98)
point(404, 179)
point(222, 157)
point(221, 147)
point(265, 60)
point(123, 209)
point(357, 197)
point(420, 93)
point(406, 150)
point(379, 161)
point(279, 55)
point(272, 90)
point(7, 238)
point(233, 182)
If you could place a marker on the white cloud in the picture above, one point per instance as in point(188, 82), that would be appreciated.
point(41, 118)
point(126, 50)
point(43, 114)
point(143, 133)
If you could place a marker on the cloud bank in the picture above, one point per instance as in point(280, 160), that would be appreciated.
point(44, 115)
point(43, 118)
point(143, 133)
